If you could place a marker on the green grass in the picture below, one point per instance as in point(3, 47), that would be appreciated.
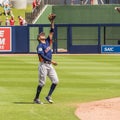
point(16, 13)
point(83, 78)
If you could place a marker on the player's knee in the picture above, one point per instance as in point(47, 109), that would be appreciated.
point(42, 84)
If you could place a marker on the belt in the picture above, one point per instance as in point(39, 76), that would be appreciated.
point(47, 62)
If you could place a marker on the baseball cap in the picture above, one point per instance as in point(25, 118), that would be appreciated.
point(41, 34)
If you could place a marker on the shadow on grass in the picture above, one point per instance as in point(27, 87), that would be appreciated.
point(23, 102)
point(28, 103)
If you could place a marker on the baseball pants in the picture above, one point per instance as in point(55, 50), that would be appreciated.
point(45, 70)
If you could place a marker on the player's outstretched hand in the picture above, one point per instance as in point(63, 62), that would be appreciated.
point(118, 9)
point(54, 63)
point(51, 17)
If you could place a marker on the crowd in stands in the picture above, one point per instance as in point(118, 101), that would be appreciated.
point(11, 21)
point(35, 3)
point(7, 11)
point(6, 5)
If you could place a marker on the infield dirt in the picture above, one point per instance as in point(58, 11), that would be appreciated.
point(108, 109)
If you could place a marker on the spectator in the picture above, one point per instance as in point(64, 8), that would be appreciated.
point(7, 22)
point(38, 2)
point(22, 22)
point(6, 2)
point(34, 4)
point(12, 21)
point(7, 10)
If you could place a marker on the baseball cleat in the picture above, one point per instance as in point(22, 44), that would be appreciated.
point(49, 99)
point(37, 101)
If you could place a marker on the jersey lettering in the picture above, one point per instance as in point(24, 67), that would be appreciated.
point(47, 49)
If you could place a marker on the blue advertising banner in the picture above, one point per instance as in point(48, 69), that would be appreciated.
point(110, 49)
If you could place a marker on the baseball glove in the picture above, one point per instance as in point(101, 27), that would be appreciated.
point(51, 17)
point(118, 9)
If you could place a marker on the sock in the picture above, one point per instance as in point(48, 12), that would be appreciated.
point(39, 88)
point(52, 88)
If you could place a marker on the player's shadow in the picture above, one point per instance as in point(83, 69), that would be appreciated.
point(28, 103)
point(23, 102)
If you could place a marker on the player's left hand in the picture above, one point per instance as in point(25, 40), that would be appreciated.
point(51, 17)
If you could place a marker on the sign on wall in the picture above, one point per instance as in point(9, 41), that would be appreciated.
point(5, 39)
point(110, 49)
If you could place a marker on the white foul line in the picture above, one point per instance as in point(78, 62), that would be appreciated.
point(40, 14)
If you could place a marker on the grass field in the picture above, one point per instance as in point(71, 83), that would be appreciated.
point(83, 78)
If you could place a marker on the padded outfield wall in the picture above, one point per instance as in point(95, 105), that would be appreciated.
point(84, 14)
point(87, 14)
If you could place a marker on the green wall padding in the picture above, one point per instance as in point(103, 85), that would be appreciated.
point(86, 14)
point(43, 18)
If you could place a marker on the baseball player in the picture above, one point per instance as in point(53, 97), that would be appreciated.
point(45, 67)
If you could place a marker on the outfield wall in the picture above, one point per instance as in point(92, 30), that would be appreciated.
point(14, 39)
point(86, 14)
point(42, 18)
point(83, 14)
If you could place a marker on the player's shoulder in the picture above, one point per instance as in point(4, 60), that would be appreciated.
point(40, 47)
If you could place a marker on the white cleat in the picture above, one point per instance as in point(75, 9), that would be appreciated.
point(49, 99)
point(37, 101)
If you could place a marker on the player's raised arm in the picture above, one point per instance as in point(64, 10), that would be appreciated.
point(51, 18)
